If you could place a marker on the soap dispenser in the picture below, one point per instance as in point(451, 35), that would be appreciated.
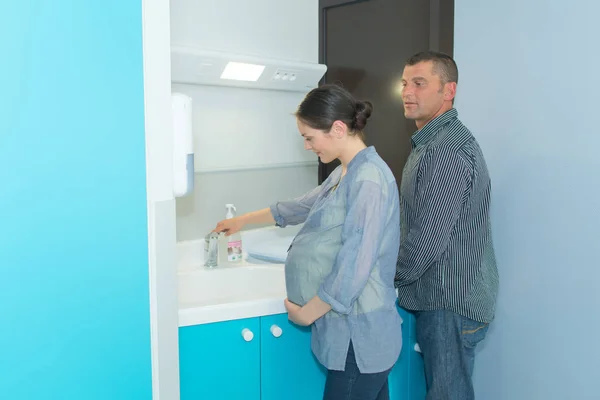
point(231, 247)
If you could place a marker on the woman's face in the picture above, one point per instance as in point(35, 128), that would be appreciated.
point(322, 144)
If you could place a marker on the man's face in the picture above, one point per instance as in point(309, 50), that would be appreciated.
point(423, 94)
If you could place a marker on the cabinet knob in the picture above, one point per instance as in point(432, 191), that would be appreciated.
point(417, 348)
point(247, 334)
point(276, 331)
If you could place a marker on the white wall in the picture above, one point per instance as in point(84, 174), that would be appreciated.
point(284, 29)
point(528, 90)
point(237, 128)
point(249, 190)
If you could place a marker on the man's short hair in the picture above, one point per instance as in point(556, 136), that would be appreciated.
point(443, 65)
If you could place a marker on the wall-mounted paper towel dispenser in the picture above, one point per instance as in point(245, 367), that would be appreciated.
point(183, 145)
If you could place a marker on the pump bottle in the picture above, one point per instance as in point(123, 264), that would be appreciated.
point(230, 250)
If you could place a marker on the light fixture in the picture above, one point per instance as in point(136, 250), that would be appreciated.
point(238, 71)
point(199, 66)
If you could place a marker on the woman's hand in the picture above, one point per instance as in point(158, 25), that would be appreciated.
point(230, 226)
point(235, 224)
point(295, 313)
point(305, 316)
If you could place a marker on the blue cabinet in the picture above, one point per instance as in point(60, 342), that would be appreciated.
point(288, 368)
point(266, 358)
point(216, 361)
point(269, 358)
point(399, 377)
point(417, 388)
point(407, 379)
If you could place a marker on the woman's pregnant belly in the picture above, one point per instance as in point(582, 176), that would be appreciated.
point(310, 259)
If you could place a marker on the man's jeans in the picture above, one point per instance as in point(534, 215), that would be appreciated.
point(447, 341)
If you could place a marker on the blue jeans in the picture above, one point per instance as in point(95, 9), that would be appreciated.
point(350, 384)
point(447, 341)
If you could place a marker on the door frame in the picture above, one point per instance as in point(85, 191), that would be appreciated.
point(441, 35)
point(324, 6)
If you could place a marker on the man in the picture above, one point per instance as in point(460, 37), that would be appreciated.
point(446, 271)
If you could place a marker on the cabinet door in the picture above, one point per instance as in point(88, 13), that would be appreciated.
point(399, 379)
point(417, 387)
point(289, 370)
point(217, 362)
point(407, 379)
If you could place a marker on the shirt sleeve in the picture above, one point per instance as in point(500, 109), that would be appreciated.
point(294, 211)
point(362, 232)
point(442, 183)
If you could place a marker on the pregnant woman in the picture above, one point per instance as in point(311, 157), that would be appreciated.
point(340, 267)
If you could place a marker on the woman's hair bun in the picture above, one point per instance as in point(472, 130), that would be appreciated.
point(362, 112)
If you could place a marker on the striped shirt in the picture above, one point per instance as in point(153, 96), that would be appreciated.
point(446, 259)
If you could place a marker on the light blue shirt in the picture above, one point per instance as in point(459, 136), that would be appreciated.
point(346, 254)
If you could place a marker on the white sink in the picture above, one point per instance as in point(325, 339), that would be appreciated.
point(205, 286)
point(225, 293)
point(250, 289)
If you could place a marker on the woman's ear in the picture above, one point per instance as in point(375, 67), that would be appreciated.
point(339, 129)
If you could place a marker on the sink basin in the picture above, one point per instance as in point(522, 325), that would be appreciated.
point(249, 289)
point(226, 285)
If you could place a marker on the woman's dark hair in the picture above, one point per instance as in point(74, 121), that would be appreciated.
point(329, 103)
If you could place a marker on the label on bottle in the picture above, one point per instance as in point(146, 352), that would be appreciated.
point(234, 250)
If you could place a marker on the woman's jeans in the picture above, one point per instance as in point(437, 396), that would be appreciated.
point(352, 385)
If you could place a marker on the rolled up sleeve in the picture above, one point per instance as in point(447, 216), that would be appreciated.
point(294, 211)
point(362, 233)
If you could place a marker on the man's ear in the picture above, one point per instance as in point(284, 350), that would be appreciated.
point(449, 91)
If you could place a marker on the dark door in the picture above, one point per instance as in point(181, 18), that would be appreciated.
point(364, 44)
